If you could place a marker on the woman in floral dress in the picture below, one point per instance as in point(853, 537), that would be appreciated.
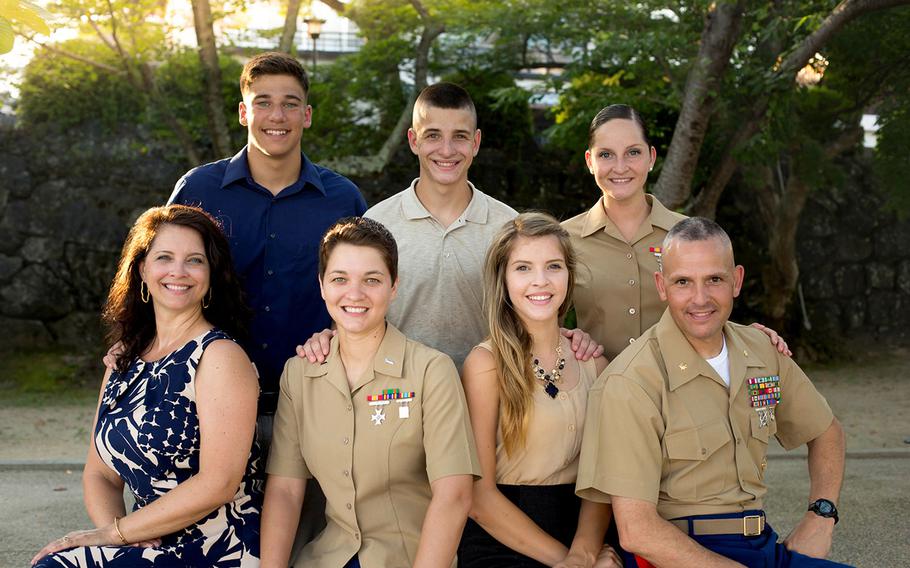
point(176, 418)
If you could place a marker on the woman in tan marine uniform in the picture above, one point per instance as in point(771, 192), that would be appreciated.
point(618, 240)
point(527, 402)
point(382, 425)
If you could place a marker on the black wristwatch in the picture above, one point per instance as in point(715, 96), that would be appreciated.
point(824, 508)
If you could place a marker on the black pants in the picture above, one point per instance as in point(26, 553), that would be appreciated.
point(554, 508)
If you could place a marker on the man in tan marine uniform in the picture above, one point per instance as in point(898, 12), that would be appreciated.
point(678, 426)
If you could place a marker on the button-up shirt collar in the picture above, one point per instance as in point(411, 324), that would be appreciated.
point(238, 168)
point(660, 217)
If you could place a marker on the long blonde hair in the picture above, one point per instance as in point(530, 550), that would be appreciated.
point(509, 339)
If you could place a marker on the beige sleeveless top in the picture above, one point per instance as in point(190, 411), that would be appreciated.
point(553, 442)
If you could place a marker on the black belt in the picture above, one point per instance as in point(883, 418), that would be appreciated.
point(268, 403)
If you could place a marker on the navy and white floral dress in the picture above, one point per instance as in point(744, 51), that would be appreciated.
point(148, 432)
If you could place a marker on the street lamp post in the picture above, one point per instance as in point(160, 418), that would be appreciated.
point(313, 29)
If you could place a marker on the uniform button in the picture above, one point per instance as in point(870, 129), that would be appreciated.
point(346, 440)
point(629, 255)
point(631, 340)
point(265, 345)
point(357, 536)
point(267, 308)
point(349, 506)
point(271, 235)
point(346, 473)
point(350, 407)
point(571, 427)
point(704, 451)
point(270, 272)
point(739, 441)
point(447, 255)
point(632, 311)
point(631, 282)
point(563, 396)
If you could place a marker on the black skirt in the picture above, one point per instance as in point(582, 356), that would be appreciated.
point(554, 508)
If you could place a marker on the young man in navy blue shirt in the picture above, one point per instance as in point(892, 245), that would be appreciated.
point(274, 205)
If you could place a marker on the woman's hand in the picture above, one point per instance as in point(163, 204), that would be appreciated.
point(92, 537)
point(608, 558)
point(104, 536)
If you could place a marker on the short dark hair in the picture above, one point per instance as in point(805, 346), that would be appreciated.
point(696, 229)
point(131, 322)
point(361, 232)
point(444, 95)
point(612, 112)
point(273, 63)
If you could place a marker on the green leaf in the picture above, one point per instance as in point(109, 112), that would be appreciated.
point(26, 14)
point(6, 36)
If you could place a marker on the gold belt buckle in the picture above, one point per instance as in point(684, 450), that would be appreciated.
point(758, 528)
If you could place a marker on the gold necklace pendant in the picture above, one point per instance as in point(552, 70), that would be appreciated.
point(550, 379)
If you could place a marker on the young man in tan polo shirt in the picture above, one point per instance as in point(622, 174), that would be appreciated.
point(443, 225)
point(678, 426)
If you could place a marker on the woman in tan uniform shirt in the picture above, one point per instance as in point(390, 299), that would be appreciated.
point(381, 424)
point(618, 240)
point(527, 403)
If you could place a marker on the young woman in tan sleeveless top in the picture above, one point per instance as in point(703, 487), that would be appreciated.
point(527, 402)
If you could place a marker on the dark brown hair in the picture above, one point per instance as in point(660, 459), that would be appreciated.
point(444, 95)
point(612, 112)
point(361, 232)
point(131, 322)
point(273, 63)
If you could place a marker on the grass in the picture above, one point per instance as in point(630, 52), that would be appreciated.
point(55, 377)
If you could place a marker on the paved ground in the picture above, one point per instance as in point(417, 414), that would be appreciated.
point(39, 505)
point(40, 499)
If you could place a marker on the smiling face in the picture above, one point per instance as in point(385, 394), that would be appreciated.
point(445, 141)
point(357, 288)
point(275, 112)
point(537, 278)
point(699, 282)
point(620, 159)
point(176, 269)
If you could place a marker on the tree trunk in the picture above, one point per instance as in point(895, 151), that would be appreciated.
point(364, 165)
point(781, 213)
point(845, 12)
point(719, 35)
point(286, 44)
point(211, 78)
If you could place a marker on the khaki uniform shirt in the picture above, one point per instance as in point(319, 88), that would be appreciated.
point(440, 292)
point(615, 296)
point(375, 472)
point(663, 427)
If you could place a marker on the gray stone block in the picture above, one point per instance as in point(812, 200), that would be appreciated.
point(23, 334)
point(9, 265)
point(880, 275)
point(35, 293)
point(850, 280)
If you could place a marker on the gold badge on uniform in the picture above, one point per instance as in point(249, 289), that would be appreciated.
point(764, 395)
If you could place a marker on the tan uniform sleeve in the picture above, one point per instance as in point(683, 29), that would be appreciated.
point(621, 450)
point(448, 440)
point(803, 413)
point(285, 455)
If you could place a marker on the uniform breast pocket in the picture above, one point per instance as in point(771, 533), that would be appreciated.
point(691, 474)
point(763, 432)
